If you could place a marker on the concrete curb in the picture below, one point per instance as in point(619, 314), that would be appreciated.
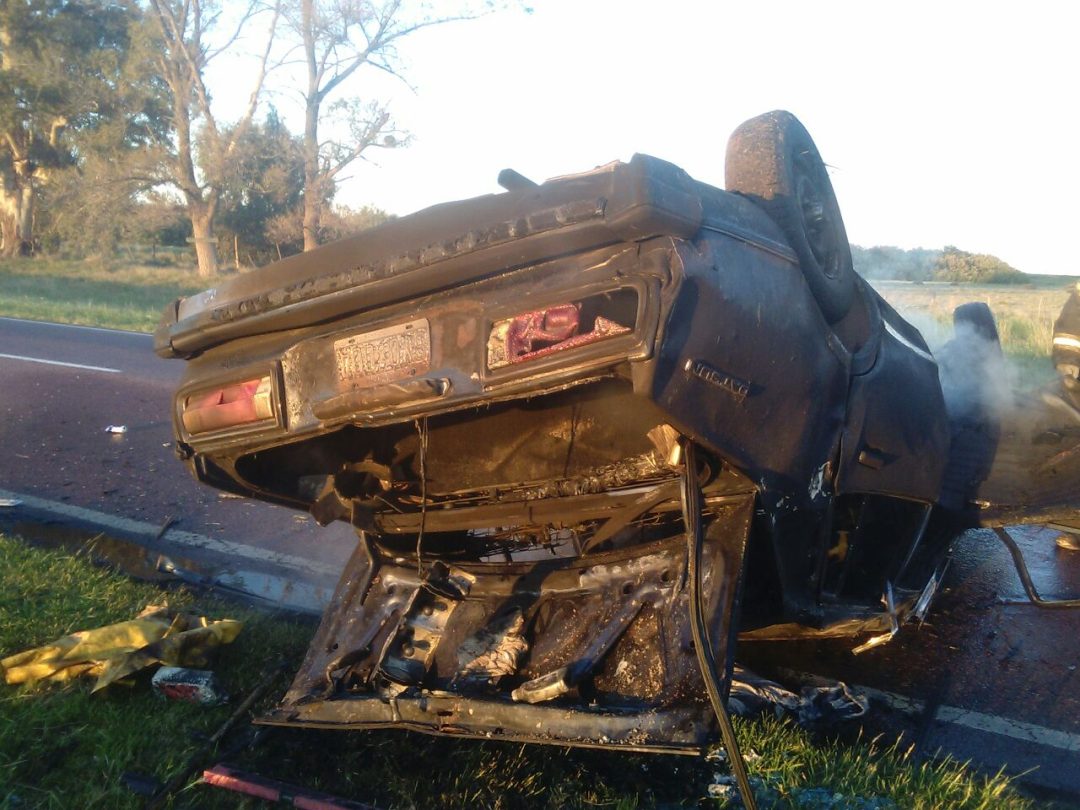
point(281, 579)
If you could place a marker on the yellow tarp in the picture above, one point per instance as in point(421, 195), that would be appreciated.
point(155, 636)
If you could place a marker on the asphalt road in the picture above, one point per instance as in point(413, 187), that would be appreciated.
point(62, 386)
point(987, 678)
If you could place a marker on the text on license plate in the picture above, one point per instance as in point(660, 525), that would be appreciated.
point(384, 355)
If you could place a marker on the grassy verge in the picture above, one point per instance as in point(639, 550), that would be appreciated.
point(1025, 318)
point(66, 291)
point(63, 747)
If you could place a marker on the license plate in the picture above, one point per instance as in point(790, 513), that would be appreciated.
point(385, 355)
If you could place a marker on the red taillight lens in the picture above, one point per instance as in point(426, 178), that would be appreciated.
point(238, 404)
point(543, 332)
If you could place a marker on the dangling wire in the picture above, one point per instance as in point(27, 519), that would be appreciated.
point(691, 508)
point(422, 432)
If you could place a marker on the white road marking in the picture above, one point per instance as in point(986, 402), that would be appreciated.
point(76, 326)
point(141, 528)
point(60, 363)
point(968, 718)
point(991, 723)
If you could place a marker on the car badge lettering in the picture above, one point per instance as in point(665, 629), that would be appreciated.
point(739, 389)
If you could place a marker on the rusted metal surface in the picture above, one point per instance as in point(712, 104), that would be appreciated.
point(608, 662)
point(572, 650)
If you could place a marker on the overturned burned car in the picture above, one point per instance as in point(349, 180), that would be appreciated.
point(583, 429)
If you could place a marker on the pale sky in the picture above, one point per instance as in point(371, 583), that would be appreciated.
point(943, 122)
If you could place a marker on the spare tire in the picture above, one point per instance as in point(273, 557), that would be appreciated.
point(773, 161)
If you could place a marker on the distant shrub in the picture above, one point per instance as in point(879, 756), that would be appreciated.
point(959, 266)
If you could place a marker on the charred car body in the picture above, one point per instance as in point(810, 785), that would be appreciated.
point(527, 402)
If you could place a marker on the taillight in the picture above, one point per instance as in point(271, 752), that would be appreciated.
point(543, 332)
point(238, 404)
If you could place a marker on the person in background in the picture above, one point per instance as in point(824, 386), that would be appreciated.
point(1066, 357)
point(1066, 351)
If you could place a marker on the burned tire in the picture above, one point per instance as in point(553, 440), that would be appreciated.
point(971, 368)
point(978, 317)
point(773, 161)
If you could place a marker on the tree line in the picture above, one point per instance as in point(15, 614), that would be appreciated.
point(110, 131)
point(922, 264)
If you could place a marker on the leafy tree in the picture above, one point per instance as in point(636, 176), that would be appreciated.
point(341, 220)
point(337, 38)
point(265, 181)
point(99, 204)
point(975, 268)
point(286, 231)
point(159, 220)
point(61, 65)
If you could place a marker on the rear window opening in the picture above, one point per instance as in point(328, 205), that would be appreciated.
point(561, 327)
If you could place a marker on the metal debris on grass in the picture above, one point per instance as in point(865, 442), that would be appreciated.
point(832, 701)
point(181, 776)
point(272, 790)
point(198, 686)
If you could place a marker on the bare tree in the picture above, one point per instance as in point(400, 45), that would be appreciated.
point(186, 28)
point(338, 38)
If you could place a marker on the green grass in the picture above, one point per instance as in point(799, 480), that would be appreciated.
point(1025, 318)
point(62, 747)
point(788, 768)
point(92, 294)
point(791, 763)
